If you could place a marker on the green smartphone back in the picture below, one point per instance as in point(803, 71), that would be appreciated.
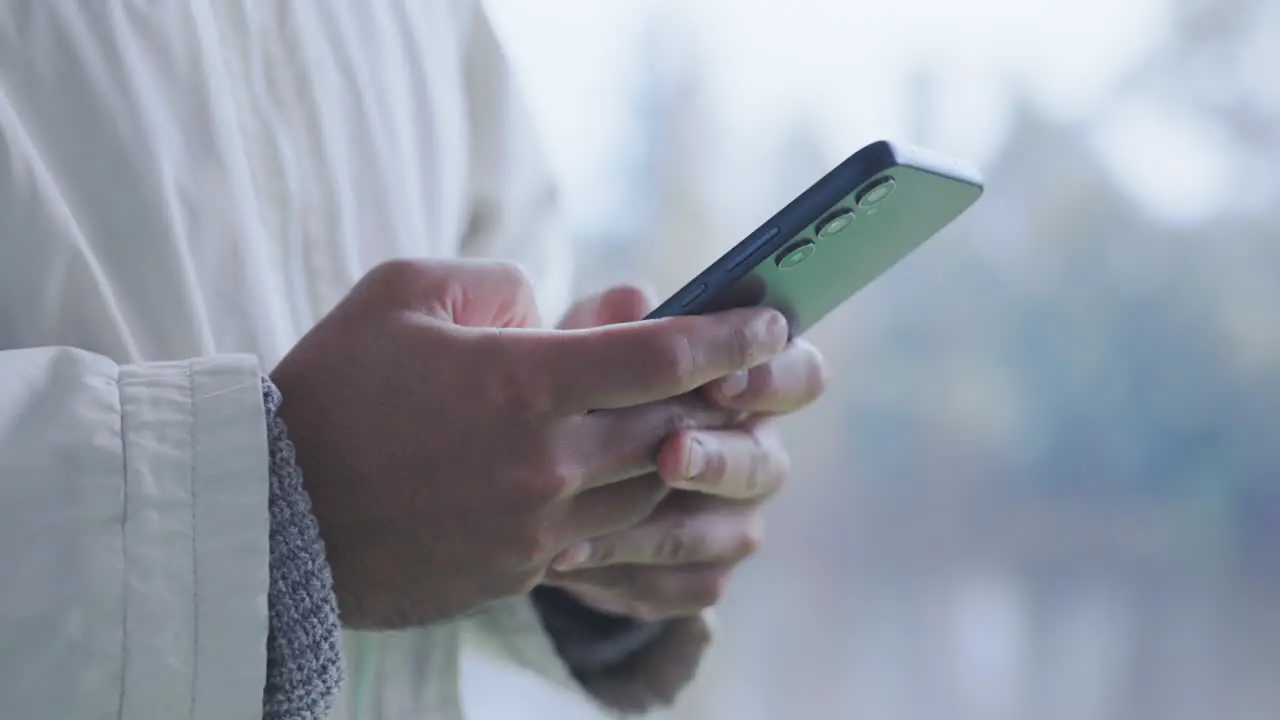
point(838, 236)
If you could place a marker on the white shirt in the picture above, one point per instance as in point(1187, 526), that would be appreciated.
point(185, 188)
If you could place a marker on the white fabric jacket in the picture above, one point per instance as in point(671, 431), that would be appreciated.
point(185, 188)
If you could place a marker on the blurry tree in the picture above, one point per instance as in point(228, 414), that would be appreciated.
point(1064, 405)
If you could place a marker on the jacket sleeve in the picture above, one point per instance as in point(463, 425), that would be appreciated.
point(514, 215)
point(133, 537)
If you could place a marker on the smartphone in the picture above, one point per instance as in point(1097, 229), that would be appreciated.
point(855, 223)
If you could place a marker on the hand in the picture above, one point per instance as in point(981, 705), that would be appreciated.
point(445, 443)
point(676, 562)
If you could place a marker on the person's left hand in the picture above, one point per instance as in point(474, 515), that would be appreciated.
point(676, 562)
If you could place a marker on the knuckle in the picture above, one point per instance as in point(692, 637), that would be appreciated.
point(642, 499)
point(543, 545)
point(769, 468)
point(709, 589)
point(673, 547)
point(819, 374)
point(682, 544)
point(530, 545)
point(674, 417)
point(536, 491)
point(557, 483)
point(547, 480)
point(782, 467)
point(630, 300)
point(399, 270)
point(740, 346)
point(398, 278)
point(512, 275)
point(762, 380)
point(758, 468)
point(676, 359)
point(717, 469)
point(779, 467)
point(752, 537)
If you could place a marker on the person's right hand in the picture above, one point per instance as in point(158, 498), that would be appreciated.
point(447, 445)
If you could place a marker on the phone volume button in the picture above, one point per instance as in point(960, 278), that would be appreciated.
point(743, 253)
point(692, 294)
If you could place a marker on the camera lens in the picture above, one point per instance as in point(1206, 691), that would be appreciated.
point(794, 254)
point(876, 192)
point(835, 222)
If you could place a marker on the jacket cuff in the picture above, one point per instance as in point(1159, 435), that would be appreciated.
point(195, 526)
point(628, 665)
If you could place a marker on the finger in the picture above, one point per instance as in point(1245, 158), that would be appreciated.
point(788, 382)
point(612, 445)
point(605, 510)
point(641, 362)
point(686, 533)
point(648, 593)
point(620, 304)
point(746, 464)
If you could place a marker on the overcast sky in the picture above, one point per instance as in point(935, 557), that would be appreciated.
point(847, 62)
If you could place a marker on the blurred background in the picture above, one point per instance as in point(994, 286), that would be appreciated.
point(1045, 481)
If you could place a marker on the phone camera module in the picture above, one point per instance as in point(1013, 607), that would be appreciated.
point(835, 222)
point(792, 255)
point(876, 192)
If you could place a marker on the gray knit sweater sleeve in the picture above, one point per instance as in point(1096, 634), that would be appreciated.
point(304, 648)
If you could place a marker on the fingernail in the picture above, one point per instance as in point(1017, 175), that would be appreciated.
point(770, 332)
point(695, 459)
point(734, 384)
point(573, 556)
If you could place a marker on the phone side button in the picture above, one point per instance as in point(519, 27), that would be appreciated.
point(741, 254)
point(692, 294)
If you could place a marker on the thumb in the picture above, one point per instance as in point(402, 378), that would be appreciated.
point(618, 304)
